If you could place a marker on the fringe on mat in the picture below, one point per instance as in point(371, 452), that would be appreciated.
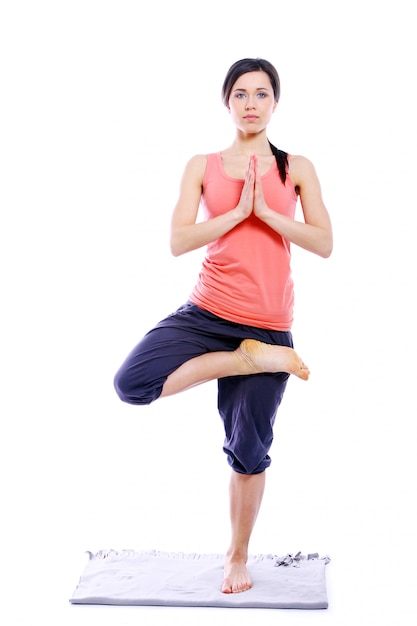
point(293, 560)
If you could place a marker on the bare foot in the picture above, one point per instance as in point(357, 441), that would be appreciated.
point(236, 577)
point(257, 357)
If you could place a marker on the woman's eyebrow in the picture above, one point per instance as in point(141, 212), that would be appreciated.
point(257, 89)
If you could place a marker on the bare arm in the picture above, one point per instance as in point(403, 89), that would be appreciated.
point(315, 233)
point(186, 234)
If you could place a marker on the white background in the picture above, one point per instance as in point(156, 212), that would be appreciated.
point(102, 103)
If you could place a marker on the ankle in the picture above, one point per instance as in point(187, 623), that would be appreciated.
point(244, 362)
point(237, 555)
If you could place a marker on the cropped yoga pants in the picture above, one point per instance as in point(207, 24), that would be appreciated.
point(247, 404)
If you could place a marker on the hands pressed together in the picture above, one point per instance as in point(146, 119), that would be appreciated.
point(252, 197)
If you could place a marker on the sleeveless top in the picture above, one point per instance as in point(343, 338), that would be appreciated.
point(245, 275)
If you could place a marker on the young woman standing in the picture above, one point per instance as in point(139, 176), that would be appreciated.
point(236, 326)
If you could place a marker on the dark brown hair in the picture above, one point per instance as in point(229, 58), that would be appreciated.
point(257, 65)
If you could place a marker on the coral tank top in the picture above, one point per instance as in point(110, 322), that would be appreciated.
point(246, 275)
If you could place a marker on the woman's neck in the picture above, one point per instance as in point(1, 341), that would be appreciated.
point(250, 144)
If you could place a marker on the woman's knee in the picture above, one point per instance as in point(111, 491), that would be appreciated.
point(132, 390)
point(247, 463)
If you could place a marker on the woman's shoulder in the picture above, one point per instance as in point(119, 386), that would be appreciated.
point(299, 161)
point(197, 164)
point(299, 167)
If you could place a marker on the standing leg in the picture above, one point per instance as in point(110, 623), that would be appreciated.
point(246, 493)
point(248, 406)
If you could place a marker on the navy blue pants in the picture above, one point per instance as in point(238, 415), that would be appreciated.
point(247, 404)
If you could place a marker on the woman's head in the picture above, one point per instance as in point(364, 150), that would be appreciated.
point(250, 65)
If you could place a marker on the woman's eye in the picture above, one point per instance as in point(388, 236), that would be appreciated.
point(240, 95)
point(261, 94)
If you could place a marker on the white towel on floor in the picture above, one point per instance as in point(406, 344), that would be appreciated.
point(152, 578)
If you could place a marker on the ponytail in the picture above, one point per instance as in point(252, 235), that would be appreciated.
point(282, 161)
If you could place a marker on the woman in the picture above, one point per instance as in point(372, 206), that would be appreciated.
point(236, 326)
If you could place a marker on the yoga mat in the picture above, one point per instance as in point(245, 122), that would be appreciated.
point(152, 578)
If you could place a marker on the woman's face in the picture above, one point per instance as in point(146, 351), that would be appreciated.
point(251, 102)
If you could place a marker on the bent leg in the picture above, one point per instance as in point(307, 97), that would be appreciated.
point(160, 366)
point(173, 346)
point(163, 350)
point(193, 346)
point(251, 357)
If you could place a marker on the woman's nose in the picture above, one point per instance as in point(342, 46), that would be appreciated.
point(250, 104)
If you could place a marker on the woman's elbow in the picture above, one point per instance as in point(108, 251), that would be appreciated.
point(326, 248)
point(176, 246)
point(326, 253)
point(174, 249)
